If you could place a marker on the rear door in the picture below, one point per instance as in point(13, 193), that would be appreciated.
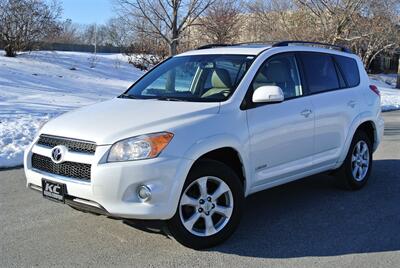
point(334, 98)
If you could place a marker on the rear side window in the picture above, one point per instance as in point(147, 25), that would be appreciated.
point(349, 69)
point(320, 72)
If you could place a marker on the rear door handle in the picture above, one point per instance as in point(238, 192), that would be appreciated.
point(306, 113)
point(351, 103)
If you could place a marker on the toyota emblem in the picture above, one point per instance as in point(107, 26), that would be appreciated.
point(57, 154)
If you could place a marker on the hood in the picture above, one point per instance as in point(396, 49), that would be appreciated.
point(116, 119)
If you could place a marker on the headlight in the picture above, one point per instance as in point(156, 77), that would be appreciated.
point(140, 147)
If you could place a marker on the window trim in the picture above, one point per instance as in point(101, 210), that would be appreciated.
point(309, 93)
point(247, 102)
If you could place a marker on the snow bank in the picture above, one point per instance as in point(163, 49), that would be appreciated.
point(37, 86)
point(16, 132)
point(390, 99)
point(390, 96)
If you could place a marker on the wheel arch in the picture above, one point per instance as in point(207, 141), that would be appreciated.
point(369, 128)
point(366, 124)
point(230, 157)
point(225, 149)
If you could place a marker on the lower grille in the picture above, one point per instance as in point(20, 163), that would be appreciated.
point(67, 169)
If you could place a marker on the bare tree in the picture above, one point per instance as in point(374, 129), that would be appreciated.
point(376, 30)
point(23, 22)
point(221, 21)
point(276, 20)
point(69, 33)
point(270, 19)
point(118, 33)
point(167, 19)
point(332, 18)
point(369, 27)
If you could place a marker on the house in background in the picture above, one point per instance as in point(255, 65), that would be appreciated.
point(386, 63)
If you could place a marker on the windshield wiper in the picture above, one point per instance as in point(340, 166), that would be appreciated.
point(169, 99)
point(126, 96)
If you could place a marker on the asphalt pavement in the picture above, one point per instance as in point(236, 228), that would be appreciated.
point(307, 223)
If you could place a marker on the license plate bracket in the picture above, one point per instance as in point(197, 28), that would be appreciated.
point(54, 191)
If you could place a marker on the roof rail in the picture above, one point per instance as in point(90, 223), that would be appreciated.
point(233, 44)
point(254, 43)
point(214, 45)
point(287, 43)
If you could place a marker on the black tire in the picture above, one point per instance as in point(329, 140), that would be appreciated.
point(206, 168)
point(344, 175)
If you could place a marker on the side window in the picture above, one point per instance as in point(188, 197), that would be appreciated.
point(349, 69)
point(280, 70)
point(320, 72)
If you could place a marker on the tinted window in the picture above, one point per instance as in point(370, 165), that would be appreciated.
point(349, 69)
point(320, 72)
point(342, 83)
point(280, 70)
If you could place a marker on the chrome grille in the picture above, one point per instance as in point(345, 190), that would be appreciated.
point(71, 144)
point(67, 169)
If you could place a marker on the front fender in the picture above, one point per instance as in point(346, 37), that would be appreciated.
point(211, 143)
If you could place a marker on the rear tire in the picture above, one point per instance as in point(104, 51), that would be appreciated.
point(356, 168)
point(210, 206)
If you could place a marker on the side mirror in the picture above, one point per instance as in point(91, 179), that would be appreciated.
point(265, 94)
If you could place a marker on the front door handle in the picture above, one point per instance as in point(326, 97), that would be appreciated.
point(306, 113)
point(351, 103)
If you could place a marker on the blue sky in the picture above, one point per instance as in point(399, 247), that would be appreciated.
point(87, 11)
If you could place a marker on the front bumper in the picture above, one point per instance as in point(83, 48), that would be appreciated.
point(113, 186)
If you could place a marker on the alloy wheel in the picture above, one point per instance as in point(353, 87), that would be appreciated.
point(206, 206)
point(360, 160)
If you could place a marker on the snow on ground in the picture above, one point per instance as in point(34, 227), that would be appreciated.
point(390, 96)
point(34, 87)
point(37, 86)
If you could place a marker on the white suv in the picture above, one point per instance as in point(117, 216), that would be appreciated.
point(201, 131)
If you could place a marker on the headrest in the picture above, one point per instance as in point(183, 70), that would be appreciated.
point(220, 79)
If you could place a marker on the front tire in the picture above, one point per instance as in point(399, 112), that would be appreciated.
point(356, 169)
point(210, 206)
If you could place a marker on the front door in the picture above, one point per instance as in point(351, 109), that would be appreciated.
point(281, 134)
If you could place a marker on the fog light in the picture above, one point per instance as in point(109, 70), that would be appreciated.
point(144, 193)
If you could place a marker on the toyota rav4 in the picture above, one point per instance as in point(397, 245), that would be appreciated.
point(196, 135)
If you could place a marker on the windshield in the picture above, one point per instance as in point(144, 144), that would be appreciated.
point(193, 78)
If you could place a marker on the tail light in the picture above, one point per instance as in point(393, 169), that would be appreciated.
point(375, 90)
